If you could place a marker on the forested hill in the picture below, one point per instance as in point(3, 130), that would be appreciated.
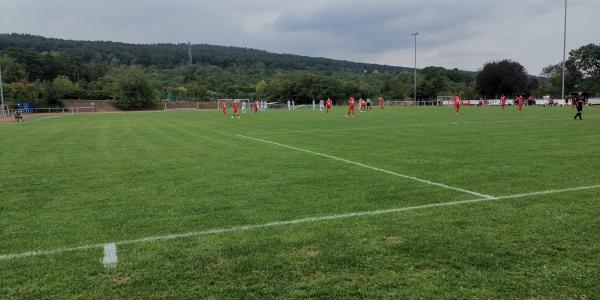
point(45, 70)
point(170, 55)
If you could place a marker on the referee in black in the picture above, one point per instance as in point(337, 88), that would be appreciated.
point(579, 102)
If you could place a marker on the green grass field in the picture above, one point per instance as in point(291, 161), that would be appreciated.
point(88, 180)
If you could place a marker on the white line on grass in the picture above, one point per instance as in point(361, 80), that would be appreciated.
point(283, 223)
point(370, 167)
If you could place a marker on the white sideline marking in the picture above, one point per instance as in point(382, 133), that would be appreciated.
point(110, 255)
point(283, 223)
point(370, 167)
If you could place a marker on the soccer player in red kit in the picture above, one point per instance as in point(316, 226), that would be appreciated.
point(363, 105)
point(351, 106)
point(234, 105)
point(503, 102)
point(456, 104)
point(328, 104)
point(520, 102)
point(224, 109)
point(255, 106)
point(381, 103)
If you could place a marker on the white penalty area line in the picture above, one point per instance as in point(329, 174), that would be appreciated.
point(369, 167)
point(110, 249)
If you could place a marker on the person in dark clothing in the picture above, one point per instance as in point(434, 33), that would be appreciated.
point(579, 103)
point(18, 116)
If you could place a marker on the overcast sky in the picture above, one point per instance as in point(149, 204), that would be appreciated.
point(453, 33)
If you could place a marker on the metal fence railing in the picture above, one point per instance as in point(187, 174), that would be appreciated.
point(6, 113)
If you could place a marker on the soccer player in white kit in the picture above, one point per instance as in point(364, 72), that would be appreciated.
point(244, 107)
point(289, 104)
point(321, 105)
point(314, 104)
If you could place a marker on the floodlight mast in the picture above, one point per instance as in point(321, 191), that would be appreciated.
point(564, 52)
point(1, 91)
point(415, 85)
point(189, 53)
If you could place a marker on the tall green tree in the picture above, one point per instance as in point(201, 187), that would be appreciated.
point(503, 77)
point(130, 88)
point(586, 62)
point(12, 71)
point(65, 88)
point(582, 73)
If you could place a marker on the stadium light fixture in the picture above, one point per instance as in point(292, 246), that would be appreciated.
point(564, 52)
point(415, 86)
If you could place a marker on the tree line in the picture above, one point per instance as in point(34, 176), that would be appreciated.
point(44, 71)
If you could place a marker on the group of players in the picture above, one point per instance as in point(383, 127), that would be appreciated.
point(365, 105)
point(519, 101)
point(256, 107)
point(323, 105)
point(578, 103)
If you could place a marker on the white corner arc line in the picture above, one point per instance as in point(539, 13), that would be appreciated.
point(283, 223)
point(370, 167)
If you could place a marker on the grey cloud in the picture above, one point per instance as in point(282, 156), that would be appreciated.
point(454, 33)
point(387, 26)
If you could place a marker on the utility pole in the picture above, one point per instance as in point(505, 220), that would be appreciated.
point(415, 87)
point(1, 91)
point(189, 53)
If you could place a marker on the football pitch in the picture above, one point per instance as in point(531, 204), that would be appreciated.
point(400, 203)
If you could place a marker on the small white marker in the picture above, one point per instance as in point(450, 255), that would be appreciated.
point(110, 256)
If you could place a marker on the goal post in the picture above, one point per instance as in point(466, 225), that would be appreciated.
point(89, 109)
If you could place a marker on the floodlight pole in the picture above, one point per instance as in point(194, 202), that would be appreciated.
point(564, 52)
point(415, 86)
point(1, 91)
point(189, 53)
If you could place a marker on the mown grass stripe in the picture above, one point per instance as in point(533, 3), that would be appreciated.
point(289, 222)
point(370, 167)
